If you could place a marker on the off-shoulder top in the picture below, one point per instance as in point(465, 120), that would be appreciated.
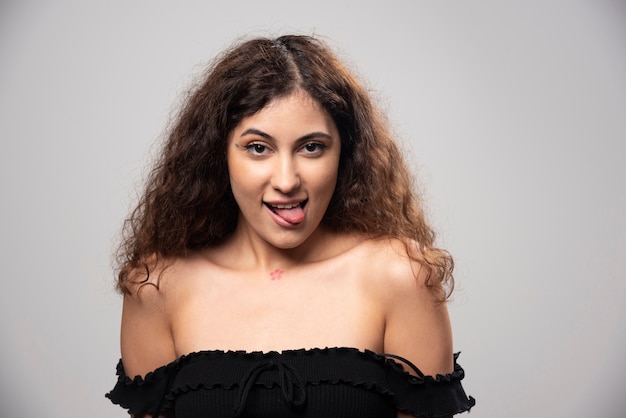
point(320, 383)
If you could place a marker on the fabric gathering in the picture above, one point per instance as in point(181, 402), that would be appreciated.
point(340, 382)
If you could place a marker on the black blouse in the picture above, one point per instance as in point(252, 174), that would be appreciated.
point(321, 383)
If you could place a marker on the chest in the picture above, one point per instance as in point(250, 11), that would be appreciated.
point(285, 310)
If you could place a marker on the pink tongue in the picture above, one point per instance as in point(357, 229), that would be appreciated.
point(293, 215)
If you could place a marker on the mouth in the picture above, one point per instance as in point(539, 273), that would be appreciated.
point(292, 213)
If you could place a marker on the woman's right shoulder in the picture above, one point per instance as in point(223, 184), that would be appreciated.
point(149, 304)
point(162, 277)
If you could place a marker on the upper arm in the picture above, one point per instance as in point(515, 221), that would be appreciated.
point(417, 326)
point(146, 337)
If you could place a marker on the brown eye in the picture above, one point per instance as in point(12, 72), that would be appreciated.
point(313, 148)
point(256, 148)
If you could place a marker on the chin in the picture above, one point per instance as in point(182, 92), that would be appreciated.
point(288, 243)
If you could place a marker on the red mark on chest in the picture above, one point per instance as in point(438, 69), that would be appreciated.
point(276, 274)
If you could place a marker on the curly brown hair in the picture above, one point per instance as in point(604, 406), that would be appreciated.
point(188, 203)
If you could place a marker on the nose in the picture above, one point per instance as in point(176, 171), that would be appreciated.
point(285, 177)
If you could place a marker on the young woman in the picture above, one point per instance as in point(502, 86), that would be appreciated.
point(279, 263)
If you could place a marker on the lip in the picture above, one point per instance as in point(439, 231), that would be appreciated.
point(285, 203)
point(293, 202)
point(279, 220)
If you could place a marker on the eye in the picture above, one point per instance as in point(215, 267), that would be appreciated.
point(313, 148)
point(256, 148)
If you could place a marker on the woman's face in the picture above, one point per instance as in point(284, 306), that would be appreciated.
point(283, 164)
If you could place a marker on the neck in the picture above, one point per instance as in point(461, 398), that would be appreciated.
point(254, 253)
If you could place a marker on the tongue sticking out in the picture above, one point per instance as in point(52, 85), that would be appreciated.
point(293, 215)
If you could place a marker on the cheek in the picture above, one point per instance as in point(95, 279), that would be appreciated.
point(330, 181)
point(332, 172)
point(246, 181)
point(326, 180)
point(247, 171)
point(242, 185)
point(237, 176)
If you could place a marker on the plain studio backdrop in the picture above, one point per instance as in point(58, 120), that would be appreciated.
point(513, 113)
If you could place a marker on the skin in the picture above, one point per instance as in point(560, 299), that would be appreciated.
point(359, 293)
point(273, 162)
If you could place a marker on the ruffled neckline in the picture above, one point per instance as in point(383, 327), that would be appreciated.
point(240, 370)
point(259, 355)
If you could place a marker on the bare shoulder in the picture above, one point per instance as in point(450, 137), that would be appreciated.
point(146, 336)
point(392, 266)
point(417, 325)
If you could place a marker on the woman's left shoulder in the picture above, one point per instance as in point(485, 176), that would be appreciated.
point(417, 326)
point(393, 264)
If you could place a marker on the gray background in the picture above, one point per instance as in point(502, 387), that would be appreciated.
point(515, 113)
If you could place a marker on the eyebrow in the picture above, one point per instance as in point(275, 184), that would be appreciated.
point(317, 134)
